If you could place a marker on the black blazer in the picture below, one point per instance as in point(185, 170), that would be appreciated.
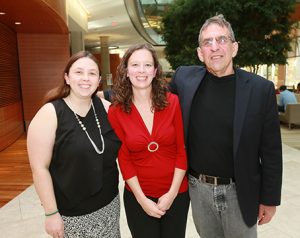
point(256, 136)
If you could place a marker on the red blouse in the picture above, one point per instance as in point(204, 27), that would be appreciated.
point(155, 169)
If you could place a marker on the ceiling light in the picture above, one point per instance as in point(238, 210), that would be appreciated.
point(110, 47)
point(2, 13)
point(18, 23)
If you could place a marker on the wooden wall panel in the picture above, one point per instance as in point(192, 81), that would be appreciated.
point(9, 71)
point(36, 16)
point(59, 7)
point(42, 58)
point(11, 119)
point(32, 57)
point(11, 124)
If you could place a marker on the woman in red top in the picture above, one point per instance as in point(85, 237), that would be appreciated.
point(152, 158)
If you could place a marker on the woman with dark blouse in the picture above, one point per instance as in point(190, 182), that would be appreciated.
point(152, 158)
point(72, 151)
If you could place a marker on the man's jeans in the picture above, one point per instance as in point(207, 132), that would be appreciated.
point(216, 211)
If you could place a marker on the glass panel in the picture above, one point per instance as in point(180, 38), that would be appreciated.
point(292, 71)
point(153, 10)
point(298, 46)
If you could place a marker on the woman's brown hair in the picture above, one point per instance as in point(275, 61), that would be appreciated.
point(122, 94)
point(63, 90)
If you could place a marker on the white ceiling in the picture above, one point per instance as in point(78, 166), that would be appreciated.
point(110, 18)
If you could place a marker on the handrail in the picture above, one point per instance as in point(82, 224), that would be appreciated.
point(135, 12)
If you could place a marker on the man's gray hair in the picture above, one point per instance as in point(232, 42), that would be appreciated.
point(219, 20)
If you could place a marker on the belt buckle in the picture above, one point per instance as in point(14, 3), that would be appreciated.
point(204, 179)
point(215, 180)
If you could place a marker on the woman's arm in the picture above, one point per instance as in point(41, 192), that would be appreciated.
point(166, 200)
point(40, 141)
point(118, 123)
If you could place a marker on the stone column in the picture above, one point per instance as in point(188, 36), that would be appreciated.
point(105, 61)
point(281, 75)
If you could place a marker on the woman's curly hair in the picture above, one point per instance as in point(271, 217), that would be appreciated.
point(122, 94)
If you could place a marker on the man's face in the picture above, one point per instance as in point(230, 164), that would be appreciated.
point(217, 50)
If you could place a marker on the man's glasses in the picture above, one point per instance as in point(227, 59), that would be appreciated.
point(221, 40)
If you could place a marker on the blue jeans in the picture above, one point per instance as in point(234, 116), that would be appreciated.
point(216, 211)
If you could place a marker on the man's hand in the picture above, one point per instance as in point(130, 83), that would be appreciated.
point(265, 214)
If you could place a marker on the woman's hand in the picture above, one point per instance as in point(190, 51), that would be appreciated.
point(151, 208)
point(54, 226)
point(165, 201)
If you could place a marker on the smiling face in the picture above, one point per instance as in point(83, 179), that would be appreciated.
point(218, 55)
point(141, 69)
point(83, 77)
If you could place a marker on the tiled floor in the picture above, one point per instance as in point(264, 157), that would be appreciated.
point(23, 217)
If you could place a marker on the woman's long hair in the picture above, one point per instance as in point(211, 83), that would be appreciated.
point(122, 93)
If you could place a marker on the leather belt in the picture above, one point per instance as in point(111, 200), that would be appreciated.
point(211, 179)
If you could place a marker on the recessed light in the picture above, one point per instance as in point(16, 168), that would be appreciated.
point(18, 23)
point(110, 47)
point(2, 13)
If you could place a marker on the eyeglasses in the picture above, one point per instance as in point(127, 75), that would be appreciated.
point(221, 40)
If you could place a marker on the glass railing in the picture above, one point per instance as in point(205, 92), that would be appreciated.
point(152, 12)
point(146, 16)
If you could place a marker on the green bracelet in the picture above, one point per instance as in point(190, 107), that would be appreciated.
point(50, 214)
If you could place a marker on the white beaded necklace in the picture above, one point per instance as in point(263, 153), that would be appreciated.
point(99, 127)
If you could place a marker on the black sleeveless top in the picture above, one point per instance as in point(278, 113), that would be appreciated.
point(83, 180)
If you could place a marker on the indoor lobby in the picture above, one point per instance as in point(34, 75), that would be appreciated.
point(36, 39)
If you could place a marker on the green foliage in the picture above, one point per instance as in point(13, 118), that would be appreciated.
point(261, 27)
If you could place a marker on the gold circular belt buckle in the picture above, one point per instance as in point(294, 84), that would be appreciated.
point(153, 143)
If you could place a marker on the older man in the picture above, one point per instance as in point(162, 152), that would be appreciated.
point(233, 138)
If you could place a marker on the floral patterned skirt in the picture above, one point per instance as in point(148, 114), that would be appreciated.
point(104, 223)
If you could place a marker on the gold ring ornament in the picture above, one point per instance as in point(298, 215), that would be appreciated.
point(150, 146)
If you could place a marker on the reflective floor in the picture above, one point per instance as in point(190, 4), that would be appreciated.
point(24, 217)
